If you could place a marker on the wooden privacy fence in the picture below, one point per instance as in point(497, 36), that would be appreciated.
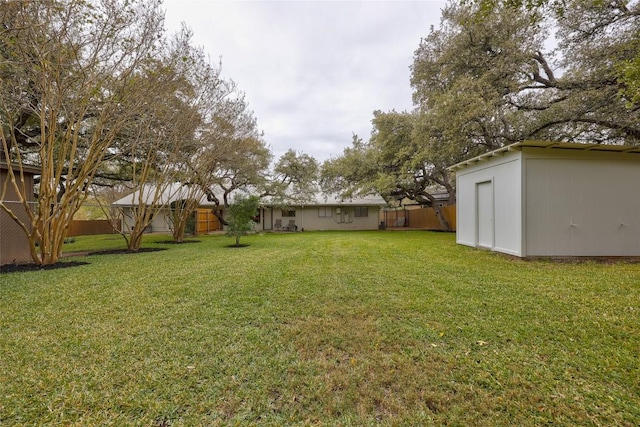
point(89, 227)
point(421, 218)
point(206, 221)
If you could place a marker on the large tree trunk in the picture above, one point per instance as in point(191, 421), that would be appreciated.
point(135, 239)
point(178, 232)
point(444, 224)
point(180, 214)
point(441, 218)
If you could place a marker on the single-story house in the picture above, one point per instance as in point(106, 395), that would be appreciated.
point(550, 199)
point(14, 245)
point(322, 213)
point(161, 218)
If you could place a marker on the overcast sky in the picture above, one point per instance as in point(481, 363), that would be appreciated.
point(313, 71)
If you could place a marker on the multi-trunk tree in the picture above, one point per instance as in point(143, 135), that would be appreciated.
point(156, 150)
point(96, 95)
point(68, 86)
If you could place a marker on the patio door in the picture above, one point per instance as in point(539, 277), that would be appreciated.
point(267, 218)
point(484, 214)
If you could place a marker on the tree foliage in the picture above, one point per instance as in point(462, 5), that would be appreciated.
point(293, 179)
point(395, 164)
point(496, 72)
point(240, 215)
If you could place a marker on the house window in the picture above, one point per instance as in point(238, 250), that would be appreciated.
point(288, 213)
point(324, 212)
point(361, 212)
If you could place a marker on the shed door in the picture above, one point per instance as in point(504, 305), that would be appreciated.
point(484, 214)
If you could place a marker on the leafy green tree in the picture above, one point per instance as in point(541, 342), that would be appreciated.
point(630, 76)
point(352, 174)
point(488, 76)
point(485, 78)
point(233, 155)
point(293, 179)
point(240, 215)
point(396, 163)
point(466, 73)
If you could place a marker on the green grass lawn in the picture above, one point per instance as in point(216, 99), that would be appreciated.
point(361, 328)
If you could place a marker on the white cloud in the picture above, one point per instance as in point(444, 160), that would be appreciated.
point(313, 72)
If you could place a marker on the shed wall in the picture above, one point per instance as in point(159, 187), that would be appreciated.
point(504, 176)
point(582, 204)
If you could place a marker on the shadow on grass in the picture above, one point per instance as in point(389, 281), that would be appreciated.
point(241, 245)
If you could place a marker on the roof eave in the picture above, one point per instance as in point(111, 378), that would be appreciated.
point(518, 146)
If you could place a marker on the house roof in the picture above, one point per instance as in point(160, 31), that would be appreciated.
point(518, 146)
point(177, 191)
point(173, 192)
point(332, 200)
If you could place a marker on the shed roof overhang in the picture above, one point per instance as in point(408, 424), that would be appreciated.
point(518, 146)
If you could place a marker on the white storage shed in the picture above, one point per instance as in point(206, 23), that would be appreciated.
point(546, 199)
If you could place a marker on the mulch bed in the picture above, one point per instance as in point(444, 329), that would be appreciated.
point(126, 251)
point(17, 268)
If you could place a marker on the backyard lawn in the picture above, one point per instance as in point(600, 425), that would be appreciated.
point(326, 328)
